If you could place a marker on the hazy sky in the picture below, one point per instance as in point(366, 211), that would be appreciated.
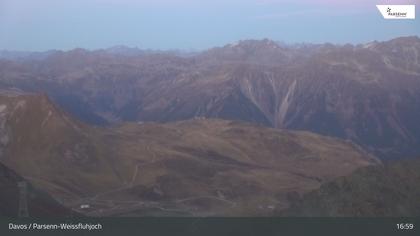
point(192, 24)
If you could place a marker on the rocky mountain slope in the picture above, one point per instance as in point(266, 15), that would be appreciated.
point(195, 167)
point(390, 190)
point(366, 93)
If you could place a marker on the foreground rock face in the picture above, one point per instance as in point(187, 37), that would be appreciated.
point(365, 93)
point(195, 167)
point(390, 190)
point(40, 204)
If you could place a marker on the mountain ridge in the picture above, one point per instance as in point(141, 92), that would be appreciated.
point(367, 94)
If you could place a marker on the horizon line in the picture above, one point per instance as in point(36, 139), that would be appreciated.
point(192, 50)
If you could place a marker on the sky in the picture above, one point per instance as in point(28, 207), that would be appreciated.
point(39, 25)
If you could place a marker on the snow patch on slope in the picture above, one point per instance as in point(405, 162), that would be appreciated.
point(284, 106)
point(2, 108)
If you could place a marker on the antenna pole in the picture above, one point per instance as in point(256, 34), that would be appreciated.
point(23, 203)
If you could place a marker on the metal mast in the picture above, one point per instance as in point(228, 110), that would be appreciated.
point(23, 203)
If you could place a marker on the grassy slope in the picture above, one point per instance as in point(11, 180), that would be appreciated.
point(202, 167)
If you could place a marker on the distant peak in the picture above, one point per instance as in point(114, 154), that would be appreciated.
point(78, 51)
point(407, 39)
point(263, 43)
point(370, 45)
point(121, 48)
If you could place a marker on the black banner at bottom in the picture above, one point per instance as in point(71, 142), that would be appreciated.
point(211, 226)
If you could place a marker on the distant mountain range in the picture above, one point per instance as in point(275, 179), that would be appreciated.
point(253, 128)
point(366, 93)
